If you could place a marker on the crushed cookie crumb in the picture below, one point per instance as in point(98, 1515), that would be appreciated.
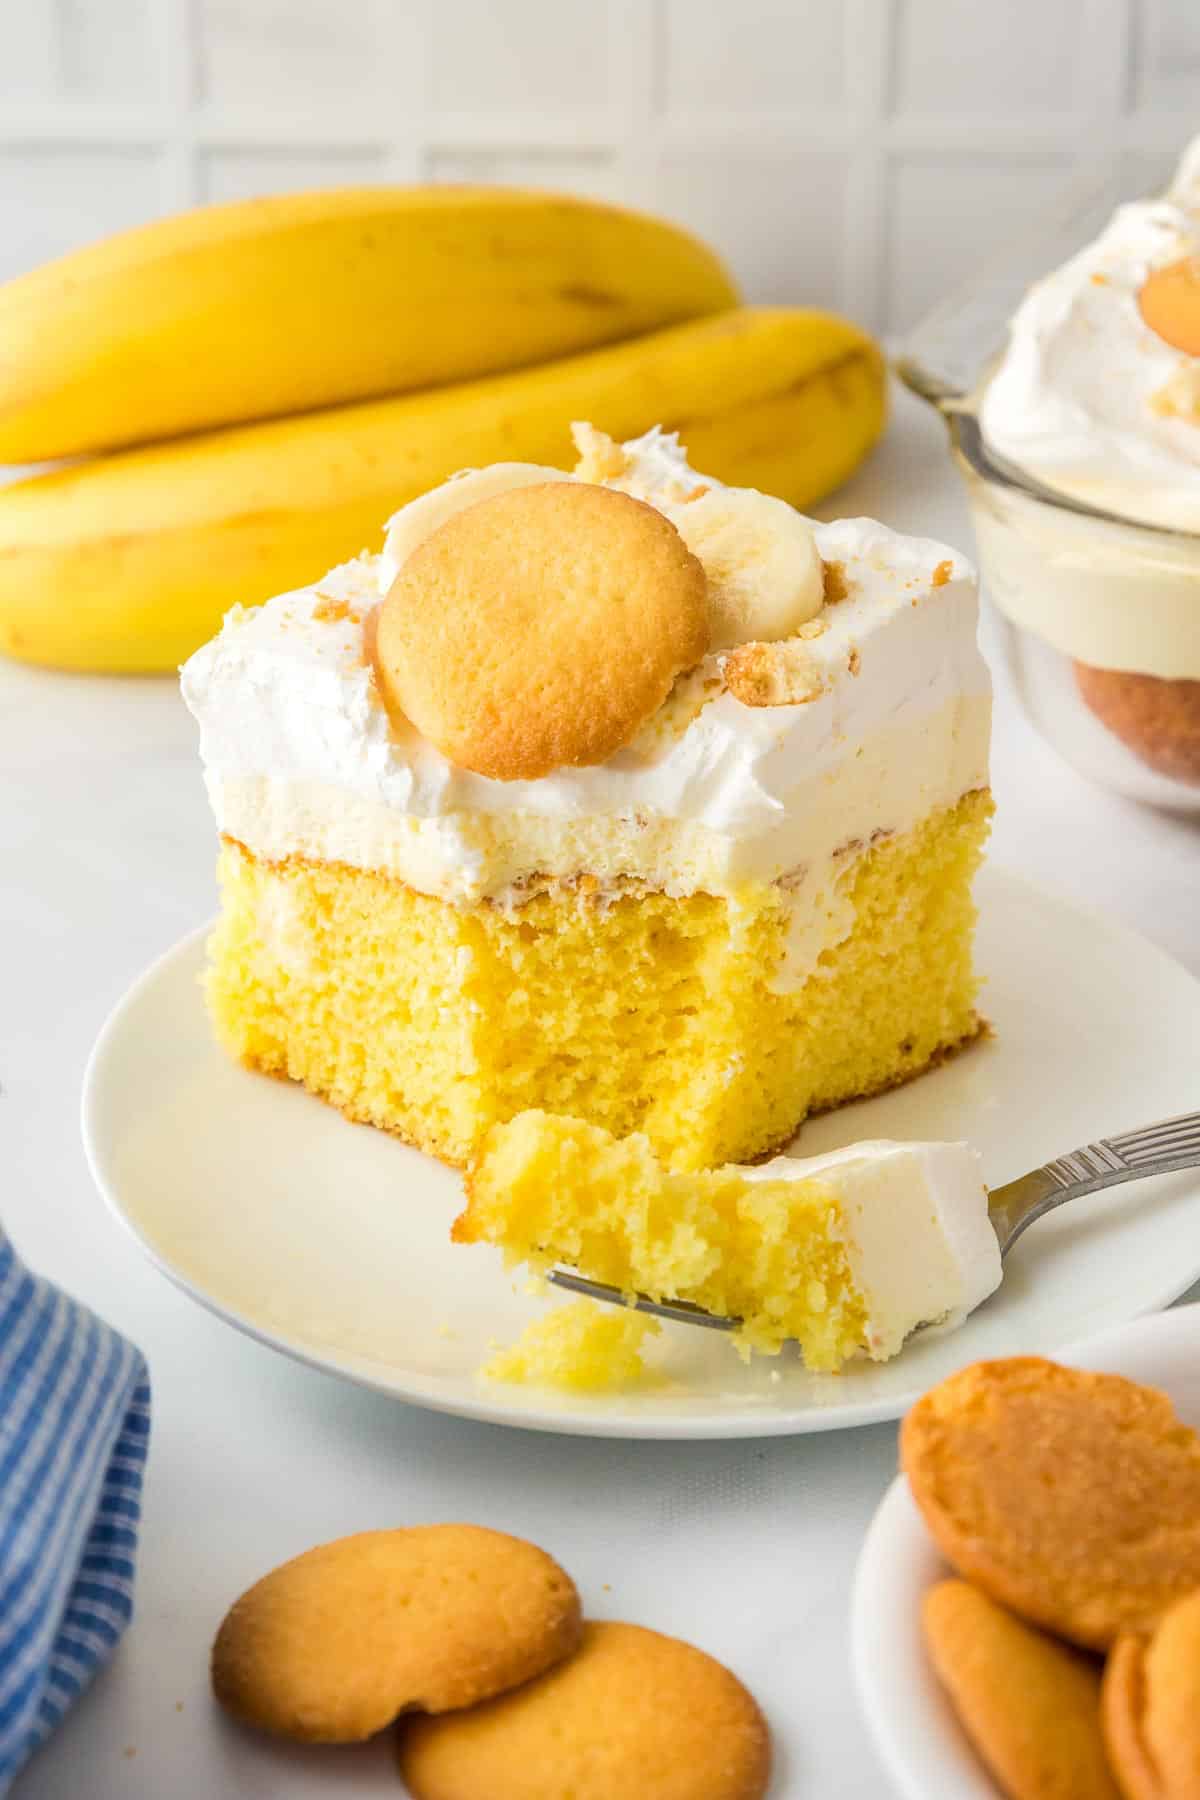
point(837, 583)
point(329, 610)
point(601, 459)
point(1180, 396)
point(370, 631)
point(854, 661)
point(941, 575)
point(780, 674)
point(814, 628)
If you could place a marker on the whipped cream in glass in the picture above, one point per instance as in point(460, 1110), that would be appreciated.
point(1087, 397)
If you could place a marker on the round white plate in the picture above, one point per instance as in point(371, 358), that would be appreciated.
point(331, 1241)
point(920, 1741)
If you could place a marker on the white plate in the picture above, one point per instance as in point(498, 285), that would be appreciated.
point(330, 1241)
point(921, 1744)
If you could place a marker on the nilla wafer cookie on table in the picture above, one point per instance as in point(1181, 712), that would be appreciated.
point(540, 628)
point(1029, 1704)
point(332, 1646)
point(632, 1713)
point(1071, 1497)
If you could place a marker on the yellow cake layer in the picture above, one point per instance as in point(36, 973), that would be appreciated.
point(770, 1253)
point(639, 1012)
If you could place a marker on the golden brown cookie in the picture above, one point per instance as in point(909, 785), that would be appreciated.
point(1158, 720)
point(1030, 1705)
point(1151, 1707)
point(631, 1713)
point(541, 628)
point(1071, 1497)
point(1169, 302)
point(1122, 1704)
point(330, 1647)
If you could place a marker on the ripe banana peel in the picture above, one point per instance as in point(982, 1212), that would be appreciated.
point(267, 307)
point(128, 563)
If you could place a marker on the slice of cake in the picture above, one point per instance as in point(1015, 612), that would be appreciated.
point(846, 1253)
point(638, 798)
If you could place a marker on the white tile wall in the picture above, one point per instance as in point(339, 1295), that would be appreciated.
point(756, 56)
point(859, 153)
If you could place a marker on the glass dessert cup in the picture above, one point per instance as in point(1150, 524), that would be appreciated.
point(1100, 625)
point(1100, 614)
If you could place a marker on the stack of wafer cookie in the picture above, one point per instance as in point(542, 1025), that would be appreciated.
point(1069, 1642)
point(506, 1692)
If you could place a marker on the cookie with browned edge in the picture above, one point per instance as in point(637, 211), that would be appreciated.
point(1030, 1705)
point(631, 1713)
point(540, 628)
point(1156, 717)
point(332, 1646)
point(1069, 1496)
point(1151, 1707)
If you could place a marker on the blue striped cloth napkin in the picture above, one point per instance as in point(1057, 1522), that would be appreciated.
point(74, 1429)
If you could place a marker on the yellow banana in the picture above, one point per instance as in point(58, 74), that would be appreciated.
point(266, 307)
point(129, 562)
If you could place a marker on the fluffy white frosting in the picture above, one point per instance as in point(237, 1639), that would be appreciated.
point(1087, 397)
point(918, 1237)
point(889, 718)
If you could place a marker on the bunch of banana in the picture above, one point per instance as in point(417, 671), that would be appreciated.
point(266, 307)
point(295, 306)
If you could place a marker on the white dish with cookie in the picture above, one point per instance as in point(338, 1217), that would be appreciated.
point(331, 1241)
point(923, 1748)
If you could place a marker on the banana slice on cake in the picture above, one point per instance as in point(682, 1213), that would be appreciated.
point(422, 517)
point(765, 575)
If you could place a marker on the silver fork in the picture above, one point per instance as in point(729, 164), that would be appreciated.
point(1013, 1208)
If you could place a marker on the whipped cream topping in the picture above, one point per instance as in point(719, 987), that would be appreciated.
point(1185, 183)
point(302, 758)
point(1087, 397)
point(887, 718)
point(920, 1244)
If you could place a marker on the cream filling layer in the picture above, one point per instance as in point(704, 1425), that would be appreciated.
point(467, 857)
point(919, 1241)
point(886, 784)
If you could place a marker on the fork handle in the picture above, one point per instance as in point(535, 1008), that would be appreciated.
point(1159, 1149)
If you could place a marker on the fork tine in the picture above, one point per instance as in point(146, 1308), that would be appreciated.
point(1129, 1156)
point(681, 1311)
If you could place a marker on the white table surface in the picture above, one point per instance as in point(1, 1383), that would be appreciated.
point(106, 852)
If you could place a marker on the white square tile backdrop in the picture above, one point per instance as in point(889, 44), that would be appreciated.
point(857, 153)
